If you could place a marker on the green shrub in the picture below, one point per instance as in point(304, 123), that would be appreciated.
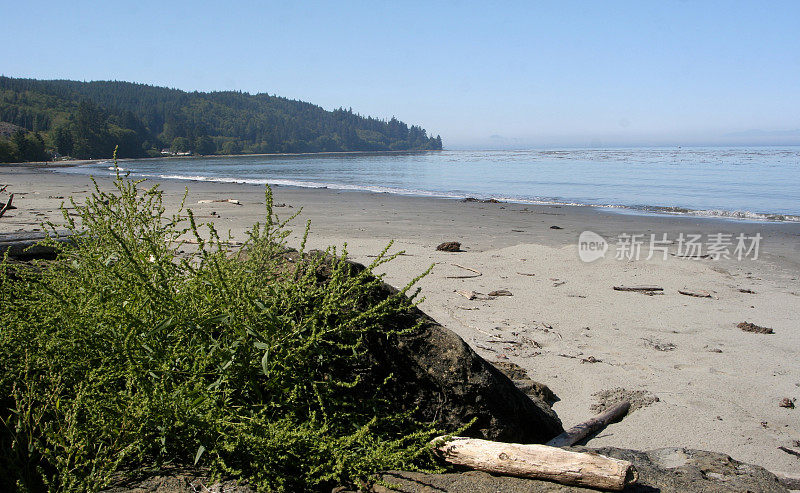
point(126, 354)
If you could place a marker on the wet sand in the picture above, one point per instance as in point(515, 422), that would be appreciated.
point(718, 387)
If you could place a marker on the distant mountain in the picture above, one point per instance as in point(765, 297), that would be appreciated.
point(87, 120)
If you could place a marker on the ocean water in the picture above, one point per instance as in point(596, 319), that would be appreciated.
point(761, 183)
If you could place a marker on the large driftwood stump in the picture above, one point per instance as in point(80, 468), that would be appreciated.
point(537, 461)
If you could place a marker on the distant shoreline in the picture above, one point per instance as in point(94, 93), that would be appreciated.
point(79, 162)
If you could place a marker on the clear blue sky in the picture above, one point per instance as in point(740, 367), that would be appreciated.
point(481, 74)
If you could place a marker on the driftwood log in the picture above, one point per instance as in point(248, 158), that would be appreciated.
point(581, 431)
point(25, 246)
point(638, 288)
point(537, 461)
point(696, 293)
point(7, 205)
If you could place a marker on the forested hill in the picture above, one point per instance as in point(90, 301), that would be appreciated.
point(84, 120)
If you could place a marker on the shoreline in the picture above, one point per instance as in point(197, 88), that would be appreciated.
point(79, 162)
point(718, 387)
point(633, 209)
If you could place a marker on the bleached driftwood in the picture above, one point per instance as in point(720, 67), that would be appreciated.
point(209, 201)
point(478, 273)
point(696, 294)
point(470, 295)
point(537, 461)
point(581, 431)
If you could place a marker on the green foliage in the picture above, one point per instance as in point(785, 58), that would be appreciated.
point(23, 146)
point(126, 354)
point(181, 144)
point(100, 115)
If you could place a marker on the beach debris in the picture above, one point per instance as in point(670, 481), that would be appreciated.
point(526, 274)
point(449, 246)
point(606, 399)
point(517, 230)
point(643, 289)
point(556, 227)
point(483, 346)
point(659, 345)
point(485, 201)
point(537, 461)
point(477, 273)
point(787, 403)
point(579, 432)
point(591, 359)
point(229, 201)
point(697, 294)
point(748, 327)
point(559, 283)
point(789, 451)
point(470, 295)
point(691, 256)
point(6, 206)
point(500, 292)
point(26, 245)
point(748, 291)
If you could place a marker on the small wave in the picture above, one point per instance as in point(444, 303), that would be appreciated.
point(720, 213)
point(672, 210)
point(311, 184)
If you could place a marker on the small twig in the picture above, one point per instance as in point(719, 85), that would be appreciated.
point(464, 277)
point(697, 256)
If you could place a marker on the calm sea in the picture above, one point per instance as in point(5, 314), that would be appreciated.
point(741, 182)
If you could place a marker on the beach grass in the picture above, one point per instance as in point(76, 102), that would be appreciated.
point(136, 350)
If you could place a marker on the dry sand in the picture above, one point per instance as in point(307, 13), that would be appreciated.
point(717, 387)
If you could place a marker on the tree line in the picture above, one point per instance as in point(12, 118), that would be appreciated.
point(87, 120)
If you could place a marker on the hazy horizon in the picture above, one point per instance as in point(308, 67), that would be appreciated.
point(512, 76)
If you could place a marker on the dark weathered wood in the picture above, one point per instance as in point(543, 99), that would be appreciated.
point(581, 431)
point(7, 205)
point(25, 246)
point(697, 294)
point(638, 288)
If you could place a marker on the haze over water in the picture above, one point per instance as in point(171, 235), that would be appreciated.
point(739, 182)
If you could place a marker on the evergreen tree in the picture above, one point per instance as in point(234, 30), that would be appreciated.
point(87, 119)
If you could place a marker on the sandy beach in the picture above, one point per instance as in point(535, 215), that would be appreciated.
point(702, 382)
